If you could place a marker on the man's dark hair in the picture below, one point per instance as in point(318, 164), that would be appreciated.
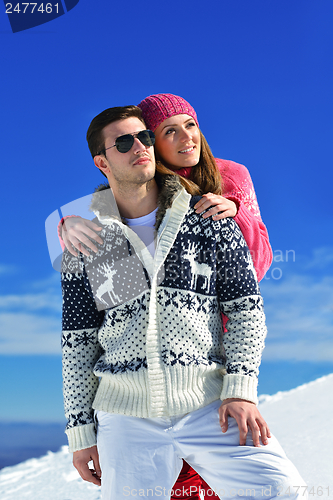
point(95, 137)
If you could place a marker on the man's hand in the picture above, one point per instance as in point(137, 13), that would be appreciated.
point(81, 459)
point(247, 417)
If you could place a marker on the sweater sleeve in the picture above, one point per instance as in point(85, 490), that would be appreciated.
point(239, 188)
point(240, 300)
point(80, 352)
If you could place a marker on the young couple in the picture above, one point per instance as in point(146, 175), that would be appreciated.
point(144, 358)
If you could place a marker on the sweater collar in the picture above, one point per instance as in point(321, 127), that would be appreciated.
point(105, 207)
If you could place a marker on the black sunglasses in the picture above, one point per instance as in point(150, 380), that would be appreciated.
point(125, 142)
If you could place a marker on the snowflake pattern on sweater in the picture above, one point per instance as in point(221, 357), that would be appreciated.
point(152, 343)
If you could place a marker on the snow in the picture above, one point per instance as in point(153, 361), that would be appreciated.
point(301, 419)
point(51, 477)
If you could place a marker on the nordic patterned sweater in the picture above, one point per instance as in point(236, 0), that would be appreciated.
point(142, 336)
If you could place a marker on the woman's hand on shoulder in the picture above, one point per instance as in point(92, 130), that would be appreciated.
point(77, 234)
point(221, 207)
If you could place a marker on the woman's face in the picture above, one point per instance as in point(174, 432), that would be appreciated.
point(178, 142)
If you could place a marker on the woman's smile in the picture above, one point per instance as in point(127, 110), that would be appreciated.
point(178, 142)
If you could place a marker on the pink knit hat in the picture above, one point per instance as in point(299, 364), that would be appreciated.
point(158, 107)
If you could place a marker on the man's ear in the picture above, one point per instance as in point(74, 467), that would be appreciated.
point(102, 164)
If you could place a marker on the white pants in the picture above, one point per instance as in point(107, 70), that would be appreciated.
point(142, 457)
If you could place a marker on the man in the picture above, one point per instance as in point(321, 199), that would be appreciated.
point(142, 337)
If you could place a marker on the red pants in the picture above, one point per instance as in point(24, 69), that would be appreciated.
point(189, 478)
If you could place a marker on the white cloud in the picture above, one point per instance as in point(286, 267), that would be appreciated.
point(299, 310)
point(31, 302)
point(52, 282)
point(306, 350)
point(7, 269)
point(322, 257)
point(29, 334)
point(30, 323)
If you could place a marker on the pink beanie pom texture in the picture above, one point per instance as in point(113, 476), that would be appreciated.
point(158, 107)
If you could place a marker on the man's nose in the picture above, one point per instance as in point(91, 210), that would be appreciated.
point(138, 146)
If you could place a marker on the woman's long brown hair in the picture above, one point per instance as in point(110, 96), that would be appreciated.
point(205, 177)
point(190, 186)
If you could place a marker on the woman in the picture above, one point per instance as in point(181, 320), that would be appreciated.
point(181, 147)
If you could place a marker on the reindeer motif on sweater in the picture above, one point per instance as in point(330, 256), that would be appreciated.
point(197, 268)
point(107, 286)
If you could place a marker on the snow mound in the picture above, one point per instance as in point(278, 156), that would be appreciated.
point(301, 419)
point(51, 477)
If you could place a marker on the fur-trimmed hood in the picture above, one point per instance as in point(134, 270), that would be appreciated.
point(104, 204)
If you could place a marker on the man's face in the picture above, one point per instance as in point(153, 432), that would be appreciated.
point(134, 168)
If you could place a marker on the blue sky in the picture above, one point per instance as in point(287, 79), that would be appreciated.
point(260, 76)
